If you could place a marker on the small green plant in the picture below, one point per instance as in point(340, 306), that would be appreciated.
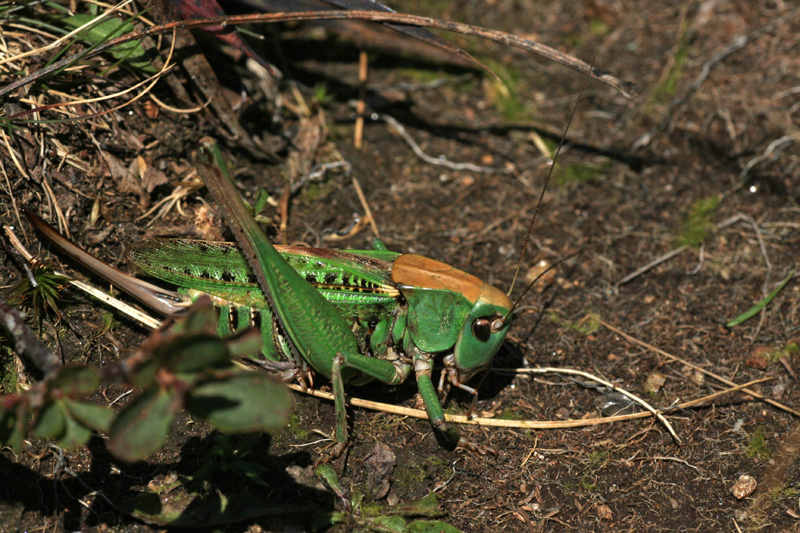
point(40, 291)
point(588, 482)
point(586, 326)
point(506, 96)
point(783, 492)
point(420, 75)
point(697, 225)
point(226, 458)
point(579, 173)
point(321, 94)
point(598, 27)
point(668, 86)
point(296, 428)
point(596, 461)
point(792, 348)
point(8, 370)
point(381, 517)
point(509, 413)
point(757, 446)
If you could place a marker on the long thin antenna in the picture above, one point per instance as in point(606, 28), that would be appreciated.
point(537, 278)
point(547, 181)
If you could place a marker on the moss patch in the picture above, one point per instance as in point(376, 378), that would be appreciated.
point(696, 225)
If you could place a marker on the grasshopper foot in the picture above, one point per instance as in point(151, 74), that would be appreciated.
point(452, 438)
point(480, 449)
point(337, 454)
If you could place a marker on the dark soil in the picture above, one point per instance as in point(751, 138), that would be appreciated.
point(714, 125)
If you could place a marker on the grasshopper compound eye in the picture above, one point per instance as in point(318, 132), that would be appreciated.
point(482, 329)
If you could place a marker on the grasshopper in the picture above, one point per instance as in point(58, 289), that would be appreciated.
point(352, 316)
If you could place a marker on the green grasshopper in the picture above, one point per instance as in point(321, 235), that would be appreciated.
point(353, 316)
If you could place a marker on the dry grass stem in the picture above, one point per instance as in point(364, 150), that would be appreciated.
point(438, 161)
point(61, 40)
point(521, 424)
point(698, 368)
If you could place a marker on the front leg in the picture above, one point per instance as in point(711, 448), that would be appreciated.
point(423, 370)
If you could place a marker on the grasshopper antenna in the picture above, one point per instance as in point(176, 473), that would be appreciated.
point(544, 189)
point(537, 278)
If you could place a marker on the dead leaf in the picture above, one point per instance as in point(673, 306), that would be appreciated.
point(379, 465)
point(150, 176)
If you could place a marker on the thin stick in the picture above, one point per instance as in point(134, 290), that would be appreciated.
point(611, 386)
point(517, 424)
point(699, 369)
point(365, 205)
point(652, 264)
point(401, 130)
point(376, 16)
point(358, 135)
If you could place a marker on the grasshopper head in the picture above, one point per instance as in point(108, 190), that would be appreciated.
point(449, 309)
point(482, 334)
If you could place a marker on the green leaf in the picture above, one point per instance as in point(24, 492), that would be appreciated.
point(202, 318)
point(195, 353)
point(91, 415)
point(242, 403)
point(250, 470)
point(427, 506)
point(222, 446)
point(132, 52)
point(245, 443)
point(750, 313)
point(52, 421)
point(260, 202)
point(13, 415)
point(431, 526)
point(75, 434)
point(329, 476)
point(141, 427)
point(76, 381)
point(245, 344)
point(389, 524)
point(145, 375)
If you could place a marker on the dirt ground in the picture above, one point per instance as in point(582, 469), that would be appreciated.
point(704, 160)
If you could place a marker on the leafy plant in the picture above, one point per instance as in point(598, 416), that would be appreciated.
point(227, 458)
point(102, 30)
point(40, 290)
point(184, 366)
point(381, 517)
